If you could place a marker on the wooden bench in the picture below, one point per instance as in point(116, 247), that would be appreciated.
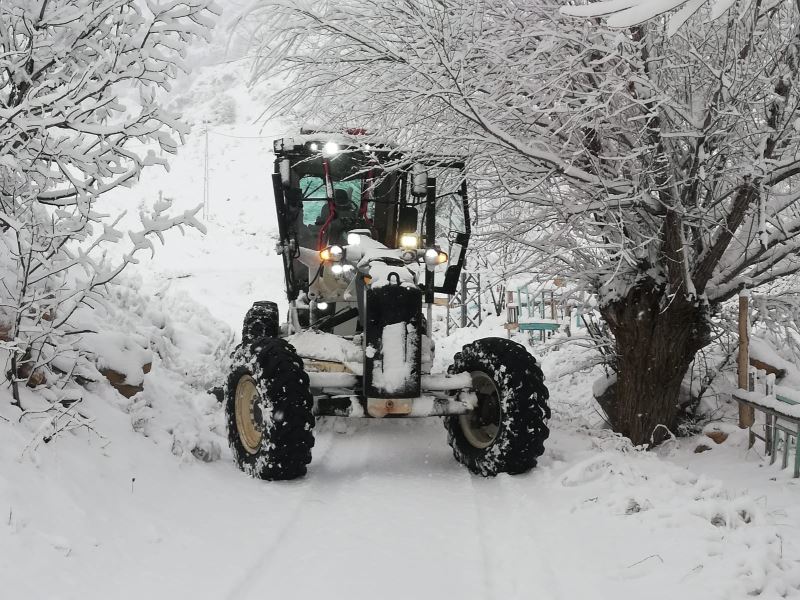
point(528, 313)
point(781, 409)
point(539, 325)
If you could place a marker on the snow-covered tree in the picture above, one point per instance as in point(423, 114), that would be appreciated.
point(79, 116)
point(627, 13)
point(655, 166)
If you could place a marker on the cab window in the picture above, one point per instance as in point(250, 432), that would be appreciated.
point(312, 189)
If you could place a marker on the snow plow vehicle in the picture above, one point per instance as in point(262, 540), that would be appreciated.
point(367, 240)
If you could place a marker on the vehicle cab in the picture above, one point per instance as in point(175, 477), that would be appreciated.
point(328, 186)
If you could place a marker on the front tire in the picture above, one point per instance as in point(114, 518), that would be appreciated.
point(261, 321)
point(505, 433)
point(268, 409)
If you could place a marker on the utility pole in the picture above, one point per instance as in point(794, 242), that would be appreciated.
point(206, 195)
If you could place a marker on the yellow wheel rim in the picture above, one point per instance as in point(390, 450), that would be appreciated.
point(245, 409)
point(479, 430)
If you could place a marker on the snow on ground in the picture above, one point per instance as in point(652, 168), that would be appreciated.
point(131, 508)
point(386, 512)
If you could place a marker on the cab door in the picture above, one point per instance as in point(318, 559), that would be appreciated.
point(452, 235)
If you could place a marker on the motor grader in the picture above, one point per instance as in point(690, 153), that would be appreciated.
point(368, 239)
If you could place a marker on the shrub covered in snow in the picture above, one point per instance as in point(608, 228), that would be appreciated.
point(79, 117)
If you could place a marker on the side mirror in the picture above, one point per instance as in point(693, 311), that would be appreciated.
point(286, 174)
point(419, 180)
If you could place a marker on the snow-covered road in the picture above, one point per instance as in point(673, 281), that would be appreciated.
point(385, 512)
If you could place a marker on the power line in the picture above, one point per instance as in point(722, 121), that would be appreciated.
point(232, 60)
point(245, 137)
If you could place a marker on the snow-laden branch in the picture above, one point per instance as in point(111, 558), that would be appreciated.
point(628, 13)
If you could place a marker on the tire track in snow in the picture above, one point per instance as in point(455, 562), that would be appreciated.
point(300, 535)
point(338, 467)
point(254, 571)
point(500, 580)
point(488, 569)
point(505, 526)
point(388, 517)
point(528, 515)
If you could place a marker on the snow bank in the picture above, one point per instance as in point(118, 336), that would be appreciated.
point(737, 546)
point(187, 350)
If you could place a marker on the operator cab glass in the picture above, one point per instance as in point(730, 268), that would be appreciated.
point(315, 201)
point(363, 197)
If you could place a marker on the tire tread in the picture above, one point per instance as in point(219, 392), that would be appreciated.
point(283, 386)
point(524, 396)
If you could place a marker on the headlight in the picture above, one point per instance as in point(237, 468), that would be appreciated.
point(313, 146)
point(409, 241)
point(322, 305)
point(331, 148)
point(331, 253)
point(337, 269)
point(435, 257)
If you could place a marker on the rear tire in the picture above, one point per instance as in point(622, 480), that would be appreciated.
point(260, 321)
point(506, 431)
point(268, 409)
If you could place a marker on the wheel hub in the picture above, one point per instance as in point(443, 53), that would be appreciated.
point(480, 427)
point(248, 414)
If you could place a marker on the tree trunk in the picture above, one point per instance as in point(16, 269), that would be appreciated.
point(657, 338)
point(14, 384)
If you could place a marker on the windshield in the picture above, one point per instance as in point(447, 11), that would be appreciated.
point(363, 196)
point(312, 189)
